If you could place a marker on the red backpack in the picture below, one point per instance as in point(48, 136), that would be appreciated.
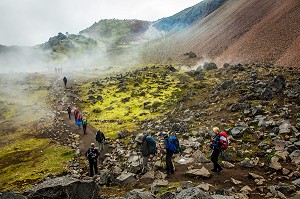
point(224, 140)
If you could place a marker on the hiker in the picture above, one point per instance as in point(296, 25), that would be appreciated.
point(172, 147)
point(69, 110)
point(76, 112)
point(92, 154)
point(79, 120)
point(215, 146)
point(100, 138)
point(148, 147)
point(84, 124)
point(65, 81)
point(169, 155)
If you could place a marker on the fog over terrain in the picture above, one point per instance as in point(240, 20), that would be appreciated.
point(31, 22)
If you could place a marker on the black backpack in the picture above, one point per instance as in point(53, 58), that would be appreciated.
point(91, 154)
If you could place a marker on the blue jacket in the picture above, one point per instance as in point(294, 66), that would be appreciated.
point(215, 144)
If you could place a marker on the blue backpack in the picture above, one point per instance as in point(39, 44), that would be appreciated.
point(173, 144)
point(151, 144)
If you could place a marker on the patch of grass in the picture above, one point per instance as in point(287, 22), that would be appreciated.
point(29, 160)
point(124, 104)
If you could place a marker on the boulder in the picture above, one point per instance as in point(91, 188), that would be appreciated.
point(11, 195)
point(295, 157)
point(168, 195)
point(274, 164)
point(193, 193)
point(64, 187)
point(247, 163)
point(198, 173)
point(296, 182)
point(238, 131)
point(200, 157)
point(126, 179)
point(138, 194)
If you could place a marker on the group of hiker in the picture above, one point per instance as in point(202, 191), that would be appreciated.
point(79, 120)
point(170, 147)
point(148, 145)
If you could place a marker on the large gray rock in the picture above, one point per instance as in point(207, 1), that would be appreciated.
point(200, 157)
point(167, 195)
point(126, 179)
point(238, 131)
point(104, 177)
point(193, 193)
point(64, 187)
point(278, 83)
point(296, 182)
point(295, 157)
point(11, 195)
point(274, 164)
point(139, 194)
point(247, 163)
point(198, 173)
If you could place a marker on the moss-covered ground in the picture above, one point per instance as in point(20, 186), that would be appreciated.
point(25, 156)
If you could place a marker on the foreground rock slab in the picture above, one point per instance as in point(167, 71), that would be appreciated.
point(64, 187)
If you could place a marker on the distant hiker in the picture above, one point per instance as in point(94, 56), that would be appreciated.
point(76, 112)
point(171, 144)
point(55, 70)
point(84, 124)
point(148, 147)
point(100, 138)
point(79, 120)
point(92, 154)
point(215, 146)
point(65, 81)
point(69, 110)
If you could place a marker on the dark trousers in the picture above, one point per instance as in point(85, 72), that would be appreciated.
point(214, 158)
point(169, 163)
point(69, 115)
point(65, 83)
point(93, 166)
point(84, 128)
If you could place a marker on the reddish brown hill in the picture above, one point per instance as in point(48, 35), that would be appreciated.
point(241, 31)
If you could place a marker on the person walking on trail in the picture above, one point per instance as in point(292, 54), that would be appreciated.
point(100, 138)
point(69, 110)
point(79, 120)
point(169, 154)
point(148, 147)
point(65, 81)
point(84, 124)
point(92, 154)
point(76, 112)
point(215, 146)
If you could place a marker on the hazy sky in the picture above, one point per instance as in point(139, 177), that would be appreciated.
point(31, 22)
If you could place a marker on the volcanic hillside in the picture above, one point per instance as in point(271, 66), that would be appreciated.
point(238, 31)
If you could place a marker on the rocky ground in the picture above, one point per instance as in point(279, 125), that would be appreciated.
point(258, 105)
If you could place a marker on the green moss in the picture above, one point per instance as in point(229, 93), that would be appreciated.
point(29, 160)
point(124, 105)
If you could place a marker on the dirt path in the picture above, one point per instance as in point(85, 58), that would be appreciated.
point(66, 97)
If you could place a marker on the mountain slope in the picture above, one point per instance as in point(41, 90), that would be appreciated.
point(187, 16)
point(239, 31)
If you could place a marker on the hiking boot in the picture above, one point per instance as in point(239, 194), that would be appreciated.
point(219, 170)
point(214, 170)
